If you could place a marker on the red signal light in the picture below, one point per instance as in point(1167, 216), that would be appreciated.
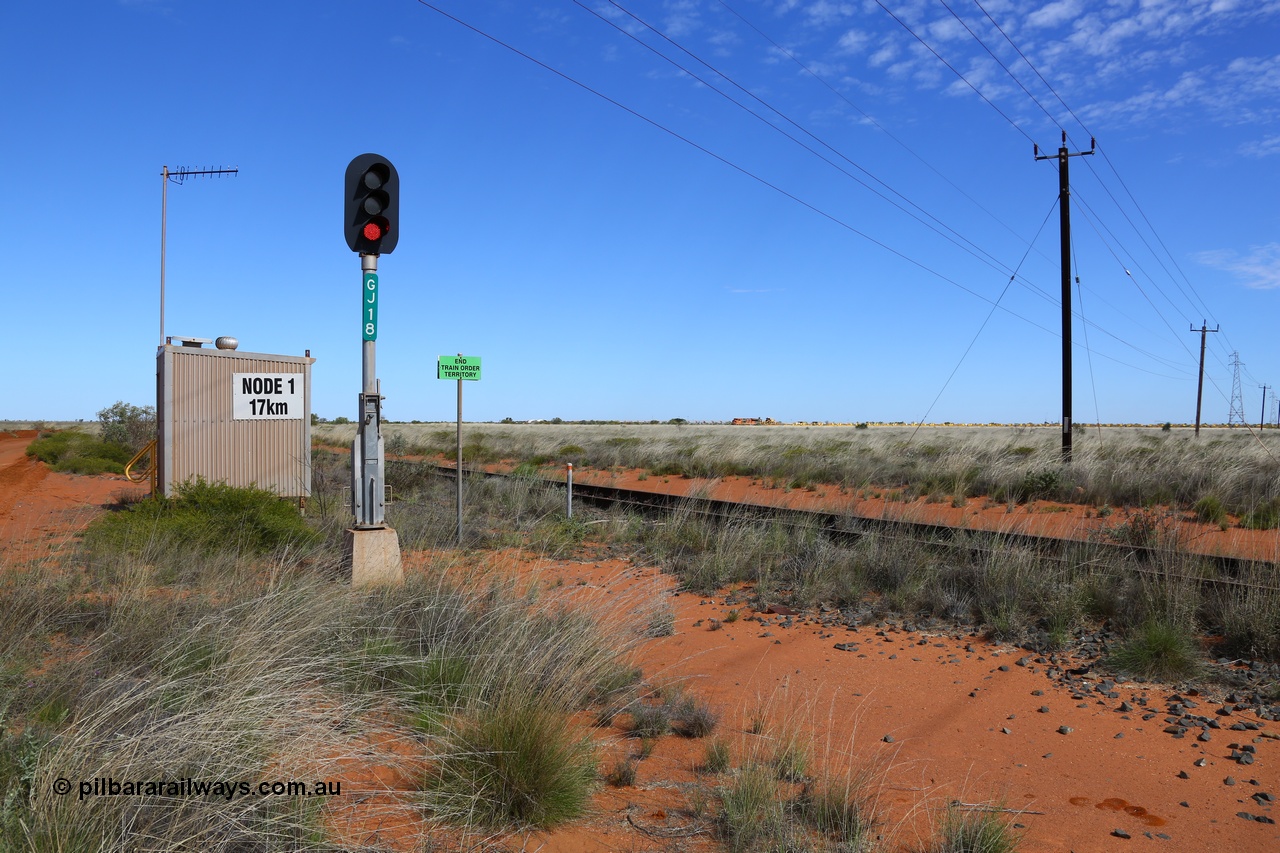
point(372, 231)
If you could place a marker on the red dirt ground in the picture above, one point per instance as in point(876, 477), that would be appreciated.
point(946, 716)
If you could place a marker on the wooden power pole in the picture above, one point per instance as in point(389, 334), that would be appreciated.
point(1064, 219)
point(1203, 330)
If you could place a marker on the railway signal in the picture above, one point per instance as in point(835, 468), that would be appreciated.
point(371, 188)
point(372, 205)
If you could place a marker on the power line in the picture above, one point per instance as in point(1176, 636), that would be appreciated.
point(978, 333)
point(724, 160)
point(1105, 157)
point(988, 259)
point(747, 173)
point(871, 119)
point(959, 240)
point(967, 82)
point(955, 71)
point(999, 62)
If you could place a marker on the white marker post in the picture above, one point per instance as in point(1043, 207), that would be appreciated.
point(568, 495)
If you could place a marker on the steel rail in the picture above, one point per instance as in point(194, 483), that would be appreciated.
point(848, 528)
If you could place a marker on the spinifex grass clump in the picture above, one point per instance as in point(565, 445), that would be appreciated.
point(782, 798)
point(1264, 515)
point(977, 830)
point(1158, 649)
point(517, 762)
point(754, 815)
point(1248, 614)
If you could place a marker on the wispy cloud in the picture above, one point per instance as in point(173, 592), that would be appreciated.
point(853, 41)
point(1259, 267)
point(1268, 146)
point(682, 18)
point(1053, 14)
point(1241, 92)
point(824, 12)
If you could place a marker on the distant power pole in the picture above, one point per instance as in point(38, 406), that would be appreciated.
point(1203, 330)
point(1064, 222)
point(1236, 415)
point(178, 175)
point(1262, 421)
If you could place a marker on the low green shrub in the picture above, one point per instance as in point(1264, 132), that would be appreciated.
point(1263, 516)
point(128, 425)
point(207, 517)
point(1210, 510)
point(1041, 484)
point(79, 453)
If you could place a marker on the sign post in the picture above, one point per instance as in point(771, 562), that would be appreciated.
point(460, 367)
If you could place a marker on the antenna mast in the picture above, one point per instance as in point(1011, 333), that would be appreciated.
point(177, 176)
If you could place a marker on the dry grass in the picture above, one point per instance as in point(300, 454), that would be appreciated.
point(1124, 466)
point(240, 668)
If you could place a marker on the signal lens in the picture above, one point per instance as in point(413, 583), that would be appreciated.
point(372, 231)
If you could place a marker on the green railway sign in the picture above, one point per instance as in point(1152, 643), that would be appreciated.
point(458, 367)
point(369, 311)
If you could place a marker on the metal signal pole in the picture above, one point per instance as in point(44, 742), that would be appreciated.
point(1262, 421)
point(1203, 330)
point(1064, 220)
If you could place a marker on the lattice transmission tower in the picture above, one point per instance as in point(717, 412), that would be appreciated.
point(1236, 415)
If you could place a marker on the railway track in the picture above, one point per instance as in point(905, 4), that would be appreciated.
point(845, 528)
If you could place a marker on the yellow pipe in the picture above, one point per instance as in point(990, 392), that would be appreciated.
point(148, 450)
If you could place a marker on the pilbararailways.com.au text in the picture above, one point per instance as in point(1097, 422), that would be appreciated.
point(227, 790)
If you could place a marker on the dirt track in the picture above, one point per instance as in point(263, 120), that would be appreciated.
point(40, 510)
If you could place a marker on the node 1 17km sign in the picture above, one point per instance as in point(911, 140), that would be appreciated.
point(458, 367)
point(266, 396)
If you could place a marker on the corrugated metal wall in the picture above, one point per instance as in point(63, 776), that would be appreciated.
point(199, 435)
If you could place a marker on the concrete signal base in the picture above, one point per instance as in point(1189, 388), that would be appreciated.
point(374, 557)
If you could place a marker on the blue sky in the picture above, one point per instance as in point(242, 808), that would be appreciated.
point(608, 225)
